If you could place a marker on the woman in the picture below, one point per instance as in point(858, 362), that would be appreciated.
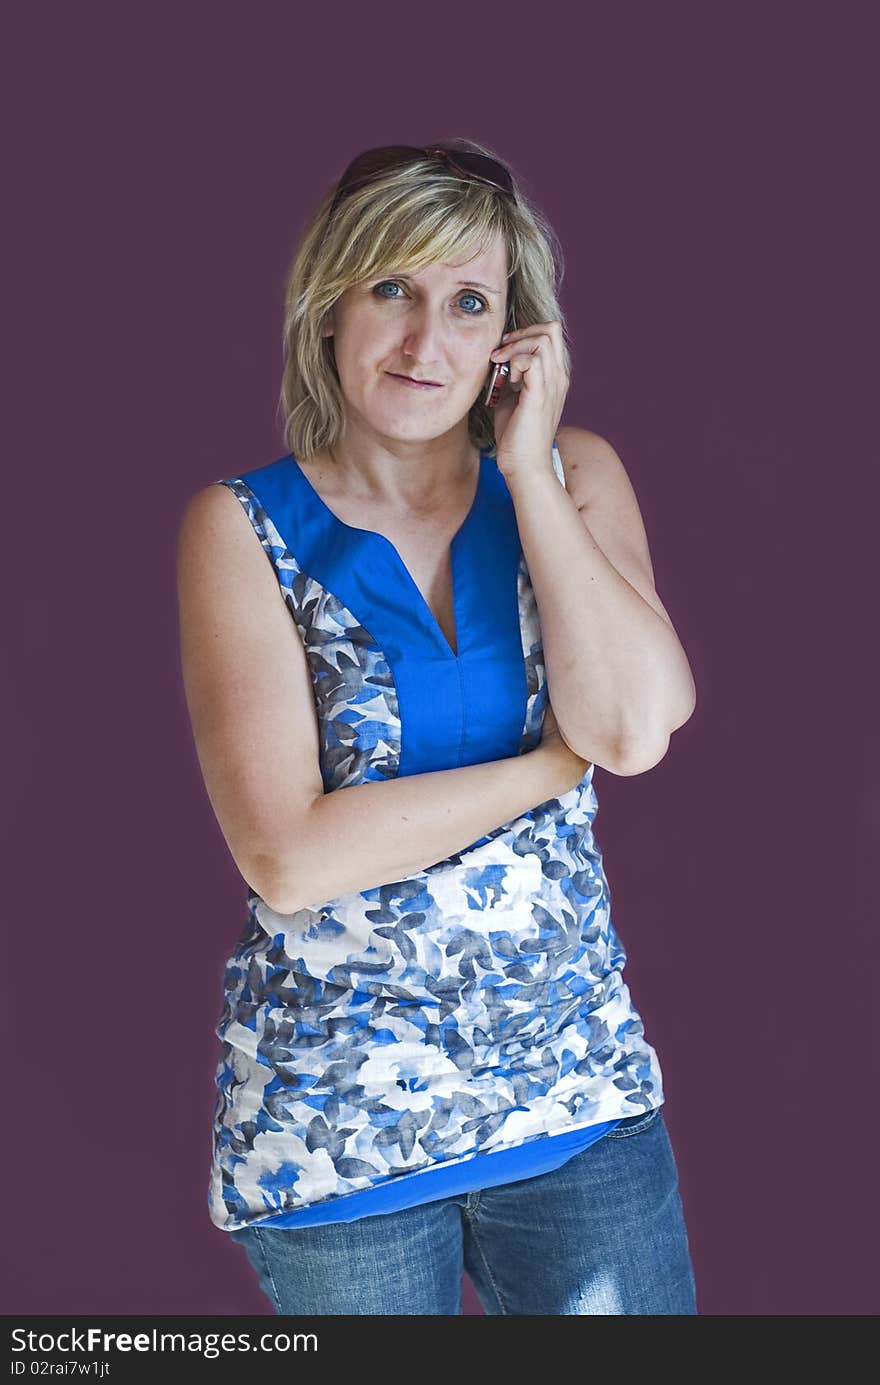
point(430, 1058)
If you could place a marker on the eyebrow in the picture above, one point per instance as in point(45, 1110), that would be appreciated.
point(462, 284)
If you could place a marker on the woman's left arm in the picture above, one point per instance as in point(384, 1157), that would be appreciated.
point(618, 678)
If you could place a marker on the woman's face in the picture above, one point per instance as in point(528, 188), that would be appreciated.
point(439, 324)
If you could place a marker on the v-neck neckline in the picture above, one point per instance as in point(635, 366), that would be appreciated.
point(432, 620)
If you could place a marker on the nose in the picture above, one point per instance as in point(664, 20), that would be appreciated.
point(423, 336)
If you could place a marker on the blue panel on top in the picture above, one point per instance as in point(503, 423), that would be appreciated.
point(455, 710)
point(539, 1155)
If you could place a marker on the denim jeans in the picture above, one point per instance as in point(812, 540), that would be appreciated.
point(604, 1234)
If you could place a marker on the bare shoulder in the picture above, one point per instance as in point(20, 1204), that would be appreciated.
point(217, 542)
point(590, 464)
point(233, 612)
point(597, 482)
point(211, 511)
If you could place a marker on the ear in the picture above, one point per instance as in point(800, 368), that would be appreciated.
point(327, 329)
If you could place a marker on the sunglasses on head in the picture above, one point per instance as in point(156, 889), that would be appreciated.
point(374, 162)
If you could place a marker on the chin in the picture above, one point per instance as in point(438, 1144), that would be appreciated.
point(411, 426)
point(417, 433)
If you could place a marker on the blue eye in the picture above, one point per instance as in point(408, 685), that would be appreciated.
point(477, 299)
point(392, 283)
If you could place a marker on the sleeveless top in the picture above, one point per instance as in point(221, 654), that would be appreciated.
point(465, 1026)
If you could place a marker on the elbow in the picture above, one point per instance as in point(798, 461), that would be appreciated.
point(637, 753)
point(279, 902)
point(286, 895)
point(638, 759)
point(271, 881)
point(688, 707)
point(627, 756)
point(288, 877)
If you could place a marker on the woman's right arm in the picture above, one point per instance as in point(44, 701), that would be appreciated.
point(249, 693)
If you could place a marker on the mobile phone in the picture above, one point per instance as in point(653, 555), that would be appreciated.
point(495, 383)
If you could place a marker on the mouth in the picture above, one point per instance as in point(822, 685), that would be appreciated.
point(416, 384)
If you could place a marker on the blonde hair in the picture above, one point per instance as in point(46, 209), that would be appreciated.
point(404, 219)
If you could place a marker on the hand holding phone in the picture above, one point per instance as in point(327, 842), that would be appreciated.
point(495, 383)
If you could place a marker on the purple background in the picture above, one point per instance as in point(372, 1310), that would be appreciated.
point(707, 169)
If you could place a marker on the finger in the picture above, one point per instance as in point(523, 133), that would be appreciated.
point(549, 329)
point(557, 343)
point(515, 332)
point(540, 361)
point(553, 330)
point(529, 346)
point(528, 364)
point(524, 337)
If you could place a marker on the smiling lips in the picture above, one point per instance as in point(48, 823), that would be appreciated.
point(415, 384)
